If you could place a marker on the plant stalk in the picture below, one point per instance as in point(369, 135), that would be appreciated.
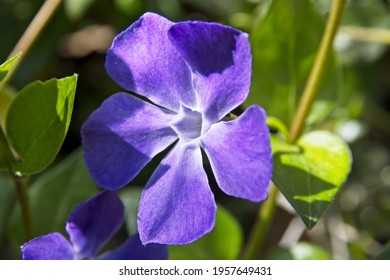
point(317, 71)
point(262, 224)
point(21, 191)
point(30, 35)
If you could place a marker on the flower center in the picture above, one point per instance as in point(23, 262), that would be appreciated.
point(188, 124)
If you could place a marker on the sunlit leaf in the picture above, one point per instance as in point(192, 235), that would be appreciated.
point(300, 251)
point(38, 120)
point(4, 68)
point(53, 196)
point(284, 45)
point(310, 173)
point(222, 243)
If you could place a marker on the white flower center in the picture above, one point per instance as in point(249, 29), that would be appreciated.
point(188, 124)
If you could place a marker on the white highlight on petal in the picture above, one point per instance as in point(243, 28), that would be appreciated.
point(189, 124)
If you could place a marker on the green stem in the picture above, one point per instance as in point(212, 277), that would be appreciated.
point(21, 188)
point(21, 191)
point(317, 72)
point(267, 209)
point(262, 224)
point(30, 35)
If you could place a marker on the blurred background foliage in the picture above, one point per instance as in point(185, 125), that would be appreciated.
point(354, 102)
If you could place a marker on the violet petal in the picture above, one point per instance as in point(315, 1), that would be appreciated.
point(122, 136)
point(53, 246)
point(177, 205)
point(94, 222)
point(142, 59)
point(133, 249)
point(240, 154)
point(220, 60)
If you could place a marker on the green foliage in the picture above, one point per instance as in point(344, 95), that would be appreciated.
point(300, 251)
point(53, 196)
point(130, 198)
point(284, 44)
point(38, 120)
point(222, 243)
point(4, 68)
point(310, 173)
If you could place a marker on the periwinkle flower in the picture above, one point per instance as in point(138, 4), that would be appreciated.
point(90, 226)
point(194, 73)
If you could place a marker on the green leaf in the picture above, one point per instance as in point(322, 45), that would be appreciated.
point(7, 95)
point(222, 243)
point(38, 120)
point(7, 65)
point(300, 251)
point(310, 173)
point(53, 196)
point(284, 44)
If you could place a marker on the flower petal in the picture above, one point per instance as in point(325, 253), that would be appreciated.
point(177, 205)
point(122, 136)
point(53, 246)
point(220, 60)
point(142, 59)
point(240, 154)
point(94, 222)
point(133, 249)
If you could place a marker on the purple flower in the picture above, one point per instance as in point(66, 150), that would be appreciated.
point(90, 226)
point(194, 73)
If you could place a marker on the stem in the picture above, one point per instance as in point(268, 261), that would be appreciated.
point(317, 72)
point(261, 227)
point(21, 190)
point(30, 35)
point(267, 209)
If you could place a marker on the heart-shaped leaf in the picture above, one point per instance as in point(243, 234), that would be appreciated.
point(310, 173)
point(38, 120)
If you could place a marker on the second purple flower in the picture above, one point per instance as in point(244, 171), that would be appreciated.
point(196, 73)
